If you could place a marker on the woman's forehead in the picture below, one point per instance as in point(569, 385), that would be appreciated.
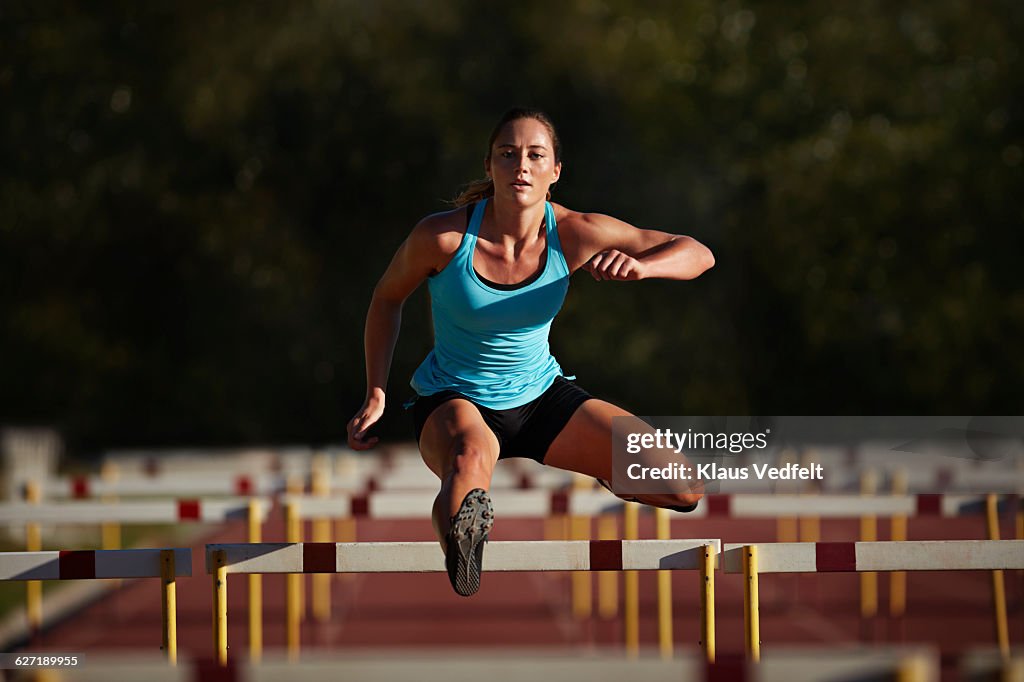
point(524, 132)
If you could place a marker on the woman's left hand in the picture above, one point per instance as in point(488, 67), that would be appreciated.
point(616, 266)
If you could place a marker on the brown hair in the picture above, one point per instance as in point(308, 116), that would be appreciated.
point(484, 187)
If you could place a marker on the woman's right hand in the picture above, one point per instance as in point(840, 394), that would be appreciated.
point(368, 415)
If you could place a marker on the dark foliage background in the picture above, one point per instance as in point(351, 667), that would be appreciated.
point(196, 200)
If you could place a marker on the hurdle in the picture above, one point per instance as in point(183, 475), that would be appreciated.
point(166, 564)
point(576, 503)
point(804, 557)
point(122, 513)
point(425, 557)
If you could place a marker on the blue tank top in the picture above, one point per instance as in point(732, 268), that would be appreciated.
point(491, 345)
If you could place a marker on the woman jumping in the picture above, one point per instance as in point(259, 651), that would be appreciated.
point(498, 269)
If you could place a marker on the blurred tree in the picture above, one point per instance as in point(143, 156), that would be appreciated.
point(197, 200)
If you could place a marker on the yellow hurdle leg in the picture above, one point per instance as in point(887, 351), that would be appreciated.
point(631, 584)
point(169, 605)
point(998, 588)
point(220, 606)
point(751, 615)
point(664, 589)
point(255, 588)
point(707, 602)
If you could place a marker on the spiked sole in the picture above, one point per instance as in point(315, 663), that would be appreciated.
point(466, 540)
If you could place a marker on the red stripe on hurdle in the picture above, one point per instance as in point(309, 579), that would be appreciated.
point(360, 505)
point(719, 505)
point(835, 556)
point(929, 505)
point(559, 502)
point(188, 510)
point(79, 564)
point(319, 557)
point(243, 485)
point(606, 555)
point(79, 487)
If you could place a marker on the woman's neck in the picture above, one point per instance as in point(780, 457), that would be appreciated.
point(511, 223)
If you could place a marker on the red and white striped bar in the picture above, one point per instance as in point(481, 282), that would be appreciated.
point(417, 504)
point(131, 512)
point(922, 555)
point(208, 483)
point(89, 564)
point(426, 557)
point(838, 506)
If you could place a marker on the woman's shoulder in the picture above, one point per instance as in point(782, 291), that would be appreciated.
point(440, 232)
point(577, 224)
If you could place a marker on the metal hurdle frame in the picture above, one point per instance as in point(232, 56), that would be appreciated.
point(424, 557)
point(166, 564)
point(908, 555)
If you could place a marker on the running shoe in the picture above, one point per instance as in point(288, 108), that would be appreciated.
point(465, 541)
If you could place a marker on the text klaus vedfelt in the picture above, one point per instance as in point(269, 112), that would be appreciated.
point(665, 439)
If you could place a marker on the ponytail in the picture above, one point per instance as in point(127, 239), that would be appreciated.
point(474, 192)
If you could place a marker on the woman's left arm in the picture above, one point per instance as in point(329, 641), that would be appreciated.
point(610, 249)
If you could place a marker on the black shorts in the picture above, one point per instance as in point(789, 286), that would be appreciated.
point(524, 431)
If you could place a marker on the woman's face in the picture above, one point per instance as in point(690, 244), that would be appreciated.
point(522, 163)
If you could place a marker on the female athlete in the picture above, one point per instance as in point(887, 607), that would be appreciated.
point(498, 268)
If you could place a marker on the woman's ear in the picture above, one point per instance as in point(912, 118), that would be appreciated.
point(487, 167)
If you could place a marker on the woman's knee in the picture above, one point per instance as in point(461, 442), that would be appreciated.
point(467, 456)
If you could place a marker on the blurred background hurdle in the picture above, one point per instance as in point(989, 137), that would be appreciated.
point(34, 516)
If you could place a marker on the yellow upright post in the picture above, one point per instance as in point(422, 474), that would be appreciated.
point(255, 588)
point(168, 605)
point(607, 581)
point(868, 533)
point(33, 543)
point(110, 531)
point(707, 602)
point(998, 588)
point(898, 533)
point(321, 486)
point(293, 598)
point(582, 586)
point(751, 617)
point(631, 583)
point(663, 532)
point(295, 485)
point(220, 606)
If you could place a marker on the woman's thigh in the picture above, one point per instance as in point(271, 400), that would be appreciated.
point(585, 443)
point(585, 446)
point(456, 427)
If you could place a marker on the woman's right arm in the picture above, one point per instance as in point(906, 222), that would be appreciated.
point(416, 259)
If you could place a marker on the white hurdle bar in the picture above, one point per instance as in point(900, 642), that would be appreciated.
point(170, 484)
point(819, 557)
point(166, 564)
point(544, 503)
point(426, 557)
point(130, 512)
point(417, 504)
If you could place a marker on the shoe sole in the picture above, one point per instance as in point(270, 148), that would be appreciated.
point(466, 541)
